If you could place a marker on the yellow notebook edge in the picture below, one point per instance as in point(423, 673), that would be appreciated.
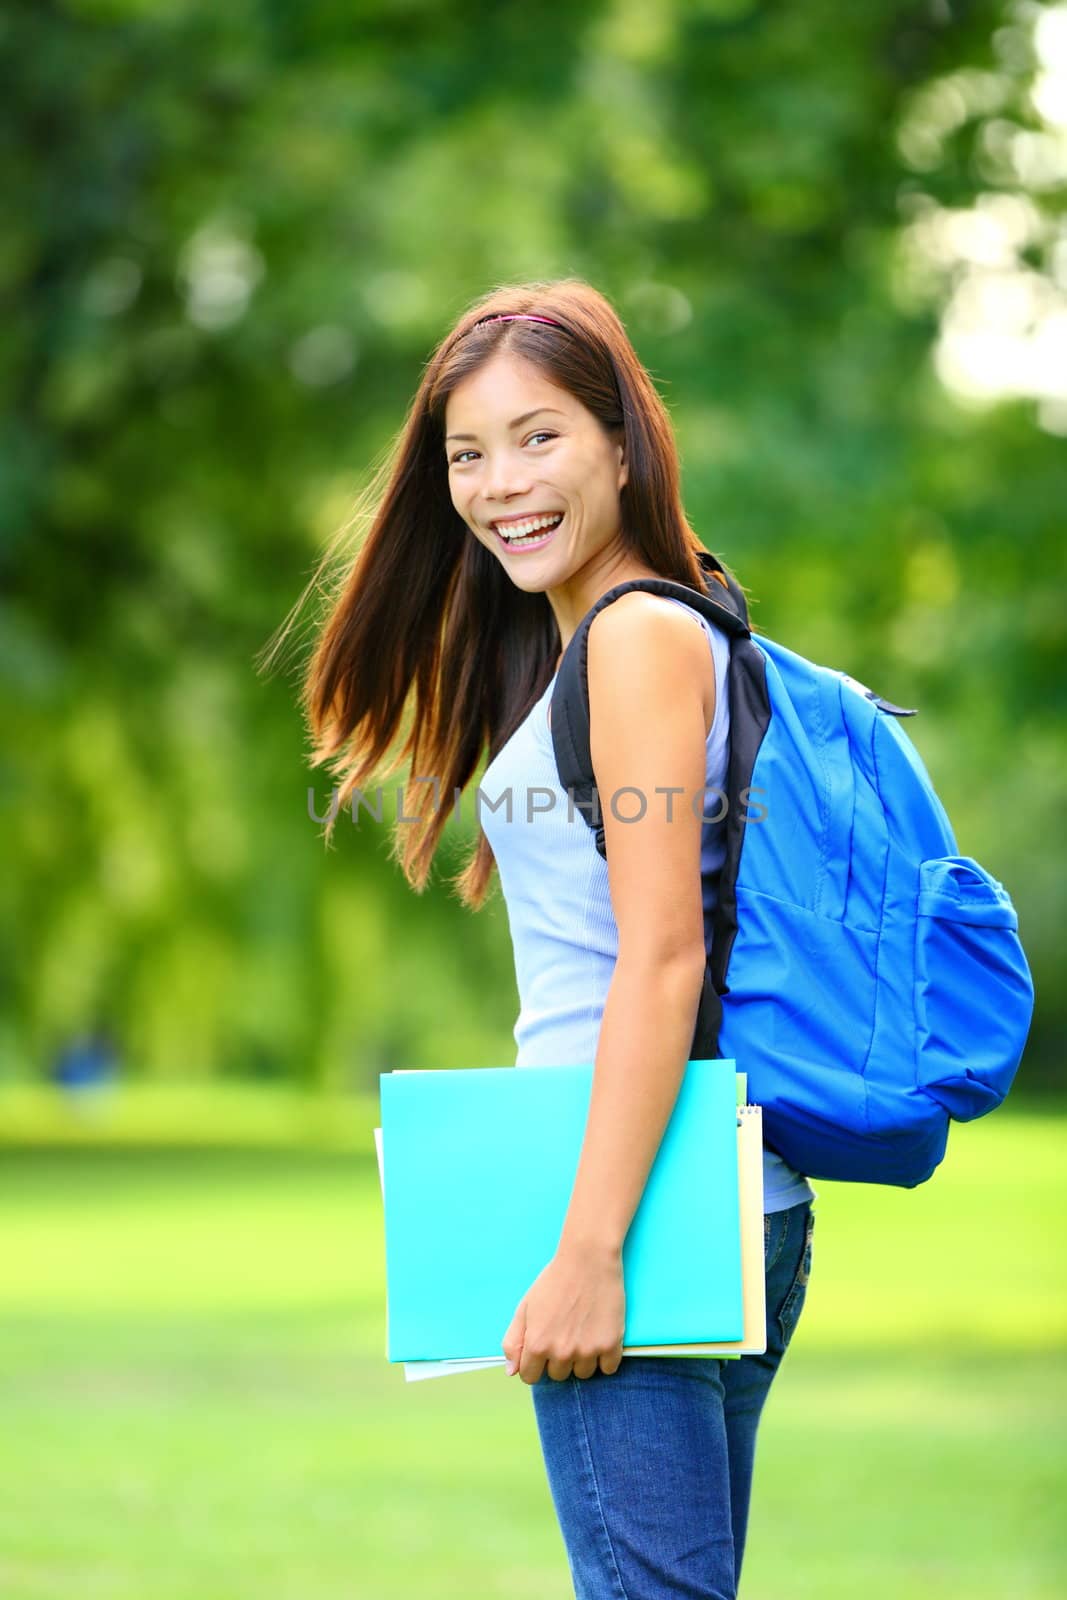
point(753, 1340)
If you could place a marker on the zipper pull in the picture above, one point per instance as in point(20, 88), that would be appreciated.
point(887, 705)
point(876, 699)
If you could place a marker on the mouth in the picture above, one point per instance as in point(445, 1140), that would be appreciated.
point(527, 533)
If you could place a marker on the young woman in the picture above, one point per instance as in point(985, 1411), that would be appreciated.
point(536, 470)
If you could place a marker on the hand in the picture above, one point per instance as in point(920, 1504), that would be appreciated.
point(570, 1319)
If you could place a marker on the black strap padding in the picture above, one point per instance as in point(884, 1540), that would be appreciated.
point(749, 717)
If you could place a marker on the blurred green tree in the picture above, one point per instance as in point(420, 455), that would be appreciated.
point(233, 235)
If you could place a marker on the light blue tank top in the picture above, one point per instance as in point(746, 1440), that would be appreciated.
point(555, 884)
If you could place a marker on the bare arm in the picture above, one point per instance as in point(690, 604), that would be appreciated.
point(646, 665)
point(645, 676)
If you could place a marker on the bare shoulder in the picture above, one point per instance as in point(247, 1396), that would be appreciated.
point(647, 742)
point(644, 618)
point(644, 641)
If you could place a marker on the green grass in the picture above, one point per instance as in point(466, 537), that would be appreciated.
point(194, 1400)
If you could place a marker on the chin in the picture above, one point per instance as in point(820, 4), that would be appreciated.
point(533, 587)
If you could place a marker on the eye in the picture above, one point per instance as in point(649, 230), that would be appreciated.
point(542, 433)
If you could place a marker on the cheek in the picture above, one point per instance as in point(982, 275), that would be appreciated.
point(601, 492)
point(460, 504)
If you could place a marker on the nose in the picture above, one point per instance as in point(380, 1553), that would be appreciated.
point(506, 475)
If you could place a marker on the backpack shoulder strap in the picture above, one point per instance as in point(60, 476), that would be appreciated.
point(713, 569)
point(724, 605)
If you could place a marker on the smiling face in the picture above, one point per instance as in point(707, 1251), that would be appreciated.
point(520, 451)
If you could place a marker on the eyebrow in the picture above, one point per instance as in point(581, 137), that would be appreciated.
point(515, 423)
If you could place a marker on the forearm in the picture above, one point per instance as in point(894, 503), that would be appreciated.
point(646, 1034)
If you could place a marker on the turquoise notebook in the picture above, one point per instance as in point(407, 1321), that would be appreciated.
point(479, 1165)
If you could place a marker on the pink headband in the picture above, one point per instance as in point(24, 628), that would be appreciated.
point(515, 316)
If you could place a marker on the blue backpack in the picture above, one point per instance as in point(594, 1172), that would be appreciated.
point(868, 978)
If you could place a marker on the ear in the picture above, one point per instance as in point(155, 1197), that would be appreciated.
point(624, 466)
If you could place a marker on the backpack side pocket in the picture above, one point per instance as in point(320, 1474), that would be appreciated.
point(973, 991)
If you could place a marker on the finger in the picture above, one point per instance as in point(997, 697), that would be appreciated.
point(559, 1370)
point(531, 1368)
point(611, 1362)
point(585, 1367)
point(516, 1326)
point(513, 1340)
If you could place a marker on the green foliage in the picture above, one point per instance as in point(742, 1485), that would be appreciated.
point(234, 234)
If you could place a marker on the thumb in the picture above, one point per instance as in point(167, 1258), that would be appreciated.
point(513, 1340)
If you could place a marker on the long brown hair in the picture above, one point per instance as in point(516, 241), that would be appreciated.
point(425, 607)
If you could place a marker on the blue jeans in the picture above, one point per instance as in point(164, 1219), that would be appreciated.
point(650, 1467)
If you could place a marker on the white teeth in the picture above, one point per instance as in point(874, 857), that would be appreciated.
point(520, 530)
